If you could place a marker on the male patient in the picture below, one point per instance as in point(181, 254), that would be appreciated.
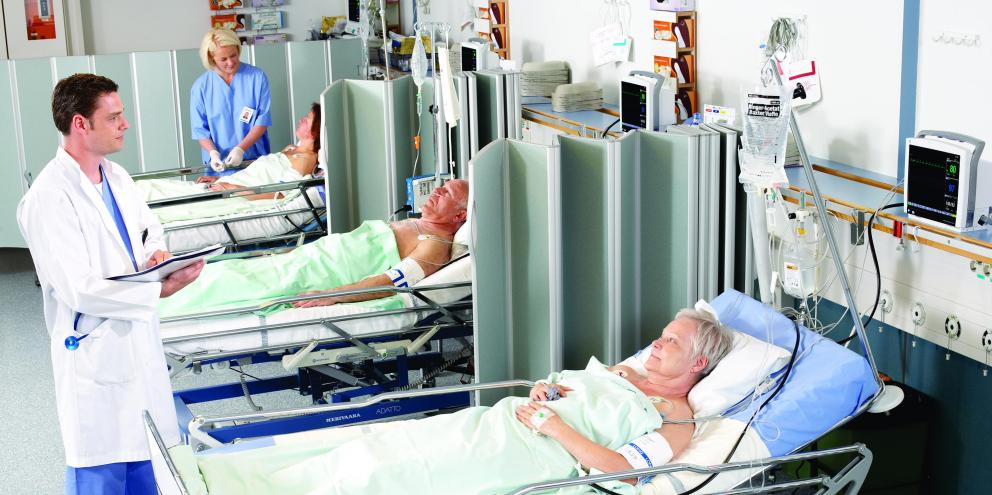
point(376, 254)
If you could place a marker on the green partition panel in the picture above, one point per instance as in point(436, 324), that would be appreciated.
point(334, 154)
point(426, 164)
point(273, 60)
point(117, 67)
point(12, 180)
point(534, 230)
point(157, 113)
point(666, 232)
point(517, 262)
point(366, 148)
point(402, 114)
point(188, 69)
point(487, 107)
point(308, 75)
point(491, 259)
point(629, 252)
point(586, 224)
point(33, 78)
point(344, 58)
point(67, 66)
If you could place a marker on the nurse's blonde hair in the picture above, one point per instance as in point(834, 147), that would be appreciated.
point(212, 41)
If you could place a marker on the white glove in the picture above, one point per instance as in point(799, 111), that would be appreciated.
point(215, 161)
point(234, 157)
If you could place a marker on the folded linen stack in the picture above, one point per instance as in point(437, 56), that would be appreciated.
point(576, 97)
point(541, 78)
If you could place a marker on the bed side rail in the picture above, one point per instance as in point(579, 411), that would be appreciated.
point(166, 475)
point(184, 171)
point(391, 290)
point(226, 193)
point(848, 480)
point(199, 426)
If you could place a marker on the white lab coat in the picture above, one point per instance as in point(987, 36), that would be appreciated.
point(119, 369)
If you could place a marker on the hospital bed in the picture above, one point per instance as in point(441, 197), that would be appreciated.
point(336, 352)
point(238, 222)
point(822, 387)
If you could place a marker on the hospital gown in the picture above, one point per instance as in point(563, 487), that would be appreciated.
point(479, 450)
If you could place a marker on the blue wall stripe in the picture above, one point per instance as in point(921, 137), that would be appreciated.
point(907, 90)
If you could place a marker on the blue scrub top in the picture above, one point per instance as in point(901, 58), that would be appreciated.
point(225, 114)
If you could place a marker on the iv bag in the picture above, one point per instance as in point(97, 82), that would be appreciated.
point(766, 112)
point(418, 62)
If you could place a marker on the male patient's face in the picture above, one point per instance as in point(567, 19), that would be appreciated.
point(445, 203)
point(105, 128)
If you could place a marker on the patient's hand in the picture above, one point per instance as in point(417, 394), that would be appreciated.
point(540, 391)
point(313, 303)
point(206, 179)
point(553, 424)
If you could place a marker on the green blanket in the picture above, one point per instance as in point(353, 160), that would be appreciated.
point(479, 450)
point(327, 263)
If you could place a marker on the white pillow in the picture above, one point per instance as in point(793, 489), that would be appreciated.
point(747, 364)
point(461, 241)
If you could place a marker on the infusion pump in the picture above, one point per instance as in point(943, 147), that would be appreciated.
point(944, 181)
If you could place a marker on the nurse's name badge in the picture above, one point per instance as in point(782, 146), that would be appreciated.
point(246, 114)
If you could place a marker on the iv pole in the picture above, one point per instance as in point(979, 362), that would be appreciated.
point(831, 241)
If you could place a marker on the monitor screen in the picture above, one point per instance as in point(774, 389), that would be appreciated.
point(933, 177)
point(633, 105)
point(354, 10)
point(470, 59)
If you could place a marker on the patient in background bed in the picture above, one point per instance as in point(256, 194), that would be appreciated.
point(376, 254)
point(293, 163)
point(605, 418)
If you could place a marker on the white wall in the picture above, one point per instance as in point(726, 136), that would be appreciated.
point(857, 69)
point(117, 26)
point(954, 85)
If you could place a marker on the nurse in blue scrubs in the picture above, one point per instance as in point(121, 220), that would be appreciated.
point(229, 106)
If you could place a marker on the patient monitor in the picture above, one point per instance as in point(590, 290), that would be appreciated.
point(476, 56)
point(943, 181)
point(647, 101)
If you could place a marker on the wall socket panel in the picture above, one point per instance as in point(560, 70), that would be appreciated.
point(941, 282)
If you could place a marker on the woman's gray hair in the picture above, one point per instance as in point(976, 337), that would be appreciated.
point(712, 338)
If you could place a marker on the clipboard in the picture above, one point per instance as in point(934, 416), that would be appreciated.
point(162, 270)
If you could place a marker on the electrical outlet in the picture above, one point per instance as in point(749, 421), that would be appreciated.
point(919, 314)
point(885, 301)
point(987, 340)
point(952, 327)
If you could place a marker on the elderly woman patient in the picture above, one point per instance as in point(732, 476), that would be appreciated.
point(295, 162)
point(607, 419)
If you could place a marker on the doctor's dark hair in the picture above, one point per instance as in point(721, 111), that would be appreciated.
point(78, 93)
point(315, 126)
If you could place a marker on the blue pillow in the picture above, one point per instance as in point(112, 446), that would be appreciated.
point(827, 383)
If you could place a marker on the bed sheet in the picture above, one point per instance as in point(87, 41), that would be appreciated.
point(187, 239)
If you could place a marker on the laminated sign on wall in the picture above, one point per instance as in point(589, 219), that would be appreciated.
point(803, 80)
point(609, 44)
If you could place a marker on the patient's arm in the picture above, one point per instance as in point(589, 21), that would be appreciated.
point(221, 186)
point(380, 280)
point(593, 455)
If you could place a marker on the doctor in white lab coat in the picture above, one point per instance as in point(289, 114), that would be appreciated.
point(84, 221)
